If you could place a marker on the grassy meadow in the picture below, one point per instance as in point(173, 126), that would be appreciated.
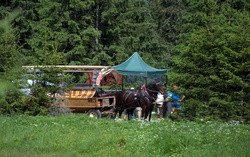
point(79, 135)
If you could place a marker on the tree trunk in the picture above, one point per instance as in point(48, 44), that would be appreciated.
point(97, 23)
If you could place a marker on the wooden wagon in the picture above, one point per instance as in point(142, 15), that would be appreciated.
point(89, 101)
point(85, 99)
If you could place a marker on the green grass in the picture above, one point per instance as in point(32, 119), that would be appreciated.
point(78, 135)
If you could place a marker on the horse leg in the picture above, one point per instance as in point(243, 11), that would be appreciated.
point(150, 114)
point(115, 113)
point(130, 113)
point(120, 113)
point(146, 114)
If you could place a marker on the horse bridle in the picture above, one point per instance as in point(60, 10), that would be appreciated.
point(153, 91)
point(148, 96)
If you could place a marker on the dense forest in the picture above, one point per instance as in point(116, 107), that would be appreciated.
point(204, 44)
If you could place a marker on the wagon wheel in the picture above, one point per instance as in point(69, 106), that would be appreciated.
point(94, 113)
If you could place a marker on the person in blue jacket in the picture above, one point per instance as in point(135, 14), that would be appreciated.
point(176, 98)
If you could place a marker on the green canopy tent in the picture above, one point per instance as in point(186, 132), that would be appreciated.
point(136, 66)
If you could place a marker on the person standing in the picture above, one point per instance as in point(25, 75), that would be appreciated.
point(159, 101)
point(167, 106)
point(176, 97)
point(139, 112)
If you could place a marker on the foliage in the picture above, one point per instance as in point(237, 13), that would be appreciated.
point(212, 64)
point(12, 101)
point(8, 43)
point(78, 135)
point(11, 98)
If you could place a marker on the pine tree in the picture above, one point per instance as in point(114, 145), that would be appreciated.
point(9, 49)
point(214, 50)
point(129, 27)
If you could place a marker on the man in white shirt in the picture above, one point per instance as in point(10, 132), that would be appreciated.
point(159, 101)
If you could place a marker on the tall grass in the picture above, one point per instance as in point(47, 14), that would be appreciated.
point(78, 135)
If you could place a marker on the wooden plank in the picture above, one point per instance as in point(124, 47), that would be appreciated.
point(71, 68)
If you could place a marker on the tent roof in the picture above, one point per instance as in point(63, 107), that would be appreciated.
point(136, 66)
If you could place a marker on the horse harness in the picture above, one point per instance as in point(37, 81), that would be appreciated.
point(145, 94)
point(136, 99)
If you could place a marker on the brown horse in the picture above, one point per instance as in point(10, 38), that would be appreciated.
point(143, 97)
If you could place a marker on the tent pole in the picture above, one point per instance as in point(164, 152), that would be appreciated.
point(166, 78)
point(122, 82)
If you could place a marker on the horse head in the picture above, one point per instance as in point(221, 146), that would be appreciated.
point(156, 88)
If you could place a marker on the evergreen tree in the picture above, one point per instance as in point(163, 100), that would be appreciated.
point(214, 50)
point(9, 49)
point(129, 27)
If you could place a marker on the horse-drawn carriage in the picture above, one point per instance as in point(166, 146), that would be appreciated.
point(97, 104)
